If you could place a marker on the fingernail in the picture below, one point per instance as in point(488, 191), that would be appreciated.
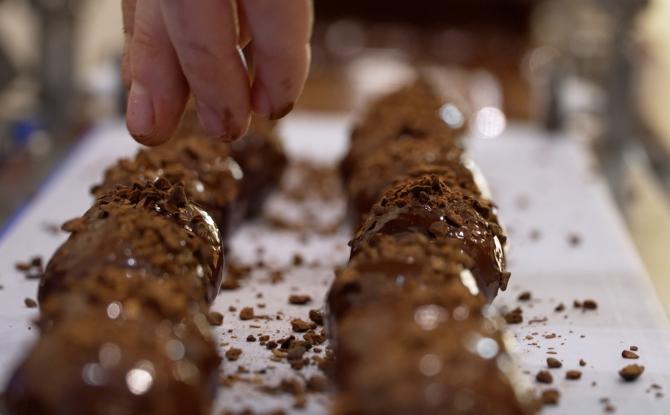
point(263, 104)
point(214, 124)
point(281, 112)
point(140, 117)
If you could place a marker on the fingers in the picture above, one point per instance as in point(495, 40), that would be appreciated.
point(158, 90)
point(281, 31)
point(128, 10)
point(204, 35)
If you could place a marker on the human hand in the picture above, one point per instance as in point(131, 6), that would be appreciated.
point(177, 47)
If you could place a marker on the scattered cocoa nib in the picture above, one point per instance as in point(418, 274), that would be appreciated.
point(633, 348)
point(299, 299)
point(573, 374)
point(627, 354)
point(543, 376)
point(609, 408)
point(538, 320)
point(30, 303)
point(32, 269)
point(514, 317)
point(550, 397)
point(233, 354)
point(535, 234)
point(247, 313)
point(559, 308)
point(574, 239)
point(316, 316)
point(74, 225)
point(631, 372)
point(582, 362)
point(276, 277)
point(553, 363)
point(524, 296)
point(215, 318)
point(577, 304)
point(589, 305)
point(301, 326)
point(271, 345)
point(251, 338)
point(229, 283)
point(298, 260)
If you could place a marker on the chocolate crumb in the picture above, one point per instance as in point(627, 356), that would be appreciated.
point(573, 374)
point(631, 372)
point(553, 363)
point(543, 376)
point(559, 308)
point(589, 305)
point(524, 296)
point(577, 304)
point(251, 338)
point(233, 353)
point(627, 354)
point(610, 408)
point(299, 299)
point(298, 260)
point(247, 313)
point(215, 318)
point(301, 326)
point(514, 317)
point(30, 303)
point(582, 362)
point(633, 348)
point(574, 239)
point(550, 397)
point(316, 316)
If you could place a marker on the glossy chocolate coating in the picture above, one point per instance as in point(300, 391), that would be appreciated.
point(399, 267)
point(430, 205)
point(421, 355)
point(396, 160)
point(102, 363)
point(408, 114)
point(212, 179)
point(263, 162)
point(151, 229)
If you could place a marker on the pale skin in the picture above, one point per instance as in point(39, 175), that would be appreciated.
point(178, 48)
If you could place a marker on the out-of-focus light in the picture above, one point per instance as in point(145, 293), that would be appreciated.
point(489, 122)
point(114, 310)
point(452, 115)
point(430, 316)
point(109, 355)
point(140, 379)
point(430, 365)
point(93, 374)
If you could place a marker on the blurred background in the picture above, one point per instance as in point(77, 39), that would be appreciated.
point(597, 68)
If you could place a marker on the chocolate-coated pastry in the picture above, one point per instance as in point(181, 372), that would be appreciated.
point(430, 205)
point(104, 362)
point(212, 179)
point(151, 228)
point(399, 267)
point(262, 158)
point(397, 159)
point(410, 114)
point(420, 355)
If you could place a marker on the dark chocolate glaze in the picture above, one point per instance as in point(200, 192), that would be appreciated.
point(100, 363)
point(429, 205)
point(421, 355)
point(397, 160)
point(152, 227)
point(263, 162)
point(399, 266)
point(409, 114)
